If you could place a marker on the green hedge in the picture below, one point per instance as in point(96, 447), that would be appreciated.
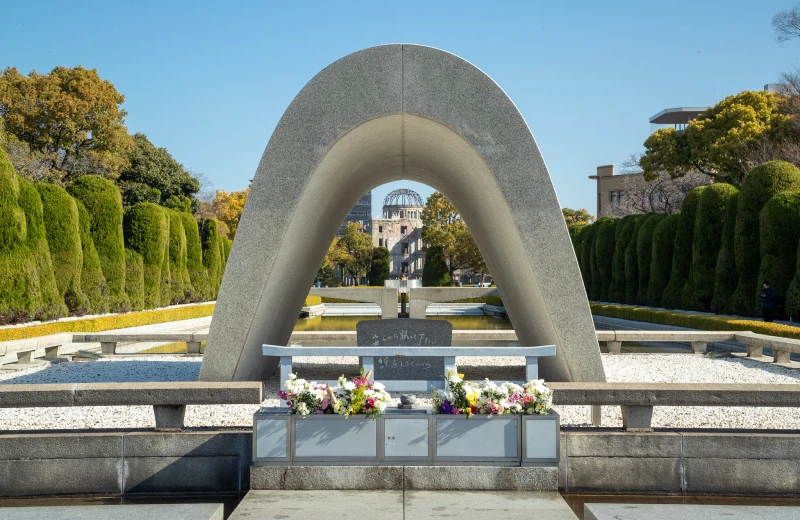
point(212, 259)
point(147, 233)
point(114, 321)
point(198, 274)
point(760, 185)
point(793, 293)
point(166, 275)
point(64, 240)
point(180, 284)
point(623, 234)
point(19, 281)
point(134, 279)
point(694, 321)
point(708, 230)
point(435, 272)
point(644, 250)
point(631, 273)
point(661, 258)
point(676, 291)
point(725, 276)
point(780, 234)
point(52, 304)
point(104, 204)
point(587, 258)
point(93, 282)
point(604, 255)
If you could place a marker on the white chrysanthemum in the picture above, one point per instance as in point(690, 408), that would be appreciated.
point(379, 386)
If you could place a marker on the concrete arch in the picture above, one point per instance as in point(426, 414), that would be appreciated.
point(382, 114)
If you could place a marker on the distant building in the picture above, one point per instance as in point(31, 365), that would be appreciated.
point(361, 212)
point(400, 231)
point(628, 193)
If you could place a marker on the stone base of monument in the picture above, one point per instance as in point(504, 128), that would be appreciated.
point(405, 437)
point(432, 478)
point(116, 512)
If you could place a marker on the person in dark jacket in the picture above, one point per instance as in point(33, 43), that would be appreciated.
point(767, 301)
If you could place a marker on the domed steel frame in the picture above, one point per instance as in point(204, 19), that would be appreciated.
point(403, 198)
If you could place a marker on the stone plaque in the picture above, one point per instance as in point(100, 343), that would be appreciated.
point(404, 332)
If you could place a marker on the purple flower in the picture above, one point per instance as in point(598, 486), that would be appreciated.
point(282, 394)
point(446, 407)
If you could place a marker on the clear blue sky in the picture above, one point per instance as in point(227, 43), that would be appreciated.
point(209, 80)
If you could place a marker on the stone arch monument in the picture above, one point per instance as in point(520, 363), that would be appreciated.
point(378, 115)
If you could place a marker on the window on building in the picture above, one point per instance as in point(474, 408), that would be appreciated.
point(404, 268)
point(380, 242)
point(613, 200)
point(405, 248)
point(380, 229)
point(403, 230)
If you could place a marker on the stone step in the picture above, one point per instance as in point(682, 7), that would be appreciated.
point(399, 504)
point(427, 478)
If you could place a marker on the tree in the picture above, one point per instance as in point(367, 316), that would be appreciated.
point(327, 272)
point(708, 235)
point(104, 204)
point(787, 24)
point(228, 208)
point(676, 294)
point(155, 176)
point(358, 246)
point(576, 217)
point(761, 184)
point(719, 142)
point(435, 272)
point(379, 269)
point(443, 227)
point(70, 120)
point(658, 193)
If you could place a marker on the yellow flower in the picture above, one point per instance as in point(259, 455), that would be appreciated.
point(461, 376)
point(472, 397)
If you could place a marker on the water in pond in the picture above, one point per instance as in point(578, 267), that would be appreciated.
point(339, 323)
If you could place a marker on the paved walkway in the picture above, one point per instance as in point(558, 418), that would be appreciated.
point(400, 505)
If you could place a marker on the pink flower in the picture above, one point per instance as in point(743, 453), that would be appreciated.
point(319, 411)
point(325, 403)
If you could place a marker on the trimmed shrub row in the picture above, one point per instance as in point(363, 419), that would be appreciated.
point(694, 321)
point(712, 256)
point(74, 252)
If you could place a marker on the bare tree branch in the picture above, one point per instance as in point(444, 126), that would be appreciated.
point(787, 24)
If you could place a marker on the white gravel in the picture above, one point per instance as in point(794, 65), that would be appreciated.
point(673, 368)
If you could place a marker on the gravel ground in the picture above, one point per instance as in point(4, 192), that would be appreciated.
point(672, 368)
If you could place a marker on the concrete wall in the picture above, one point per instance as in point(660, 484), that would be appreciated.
point(680, 462)
point(125, 463)
point(116, 463)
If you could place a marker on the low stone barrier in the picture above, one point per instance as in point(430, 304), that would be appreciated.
point(637, 399)
point(26, 349)
point(109, 342)
point(168, 400)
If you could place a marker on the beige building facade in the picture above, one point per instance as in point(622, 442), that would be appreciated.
point(400, 231)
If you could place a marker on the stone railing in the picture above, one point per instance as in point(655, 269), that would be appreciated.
point(27, 349)
point(638, 399)
point(109, 341)
point(168, 399)
point(368, 356)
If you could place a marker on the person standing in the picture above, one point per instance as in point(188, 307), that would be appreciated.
point(767, 301)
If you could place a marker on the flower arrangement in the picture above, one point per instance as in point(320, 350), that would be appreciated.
point(347, 398)
point(462, 397)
